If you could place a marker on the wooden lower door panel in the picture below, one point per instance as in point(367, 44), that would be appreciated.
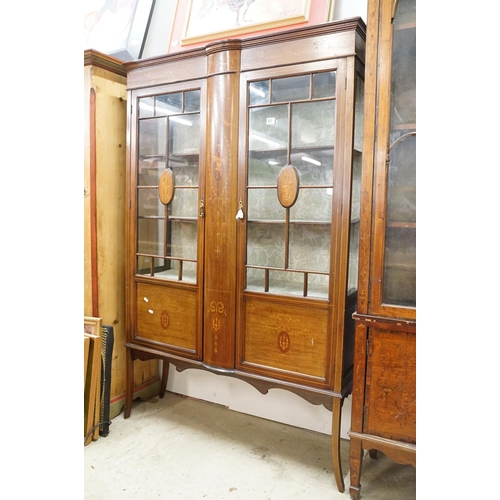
point(390, 402)
point(168, 316)
point(285, 340)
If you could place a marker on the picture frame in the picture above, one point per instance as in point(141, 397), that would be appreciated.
point(92, 329)
point(117, 28)
point(198, 22)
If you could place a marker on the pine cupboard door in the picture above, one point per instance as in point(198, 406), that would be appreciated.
point(293, 234)
point(166, 218)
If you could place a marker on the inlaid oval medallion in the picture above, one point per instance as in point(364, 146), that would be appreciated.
point(165, 319)
point(166, 186)
point(288, 186)
point(283, 341)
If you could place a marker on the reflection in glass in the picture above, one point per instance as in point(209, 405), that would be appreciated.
point(268, 128)
point(265, 244)
point(259, 92)
point(191, 101)
point(324, 84)
point(146, 107)
point(313, 204)
point(310, 247)
point(313, 124)
point(153, 137)
point(263, 204)
point(292, 88)
point(149, 204)
point(150, 236)
point(168, 104)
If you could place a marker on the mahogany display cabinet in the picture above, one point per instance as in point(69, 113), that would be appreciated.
point(383, 414)
point(243, 200)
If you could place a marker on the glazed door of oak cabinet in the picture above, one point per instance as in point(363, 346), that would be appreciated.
point(294, 219)
point(394, 254)
point(167, 196)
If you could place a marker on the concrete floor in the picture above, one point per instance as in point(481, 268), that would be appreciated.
point(183, 448)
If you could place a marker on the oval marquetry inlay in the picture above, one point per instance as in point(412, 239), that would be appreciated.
point(288, 186)
point(284, 341)
point(165, 319)
point(166, 186)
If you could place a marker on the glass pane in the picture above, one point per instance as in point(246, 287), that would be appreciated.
point(184, 134)
point(317, 285)
point(359, 106)
point(146, 107)
point(148, 203)
point(168, 104)
point(404, 79)
point(150, 236)
point(259, 92)
point(324, 85)
point(314, 167)
point(400, 267)
point(352, 275)
point(313, 124)
point(310, 247)
point(286, 283)
point(265, 244)
point(183, 241)
point(263, 204)
point(185, 170)
point(184, 203)
point(292, 88)
point(149, 172)
point(152, 137)
point(401, 190)
point(143, 265)
point(170, 270)
point(255, 279)
point(356, 187)
point(268, 128)
point(313, 205)
point(264, 167)
point(192, 101)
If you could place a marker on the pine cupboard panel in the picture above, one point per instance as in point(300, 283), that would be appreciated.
point(105, 148)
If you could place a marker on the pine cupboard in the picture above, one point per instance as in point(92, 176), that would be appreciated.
point(105, 124)
point(243, 200)
point(384, 382)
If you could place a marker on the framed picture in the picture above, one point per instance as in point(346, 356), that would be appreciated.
point(200, 21)
point(118, 28)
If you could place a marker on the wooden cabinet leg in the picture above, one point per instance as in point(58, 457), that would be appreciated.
point(337, 465)
point(355, 462)
point(129, 390)
point(164, 378)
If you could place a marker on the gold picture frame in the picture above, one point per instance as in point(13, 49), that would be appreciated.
point(210, 19)
point(92, 329)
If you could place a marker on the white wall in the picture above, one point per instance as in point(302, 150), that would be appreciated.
point(278, 405)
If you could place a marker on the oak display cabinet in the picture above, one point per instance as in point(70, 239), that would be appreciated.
point(243, 205)
point(383, 414)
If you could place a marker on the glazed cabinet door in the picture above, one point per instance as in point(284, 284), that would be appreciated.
point(394, 255)
point(166, 210)
point(295, 221)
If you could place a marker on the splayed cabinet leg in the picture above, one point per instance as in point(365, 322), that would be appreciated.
point(337, 464)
